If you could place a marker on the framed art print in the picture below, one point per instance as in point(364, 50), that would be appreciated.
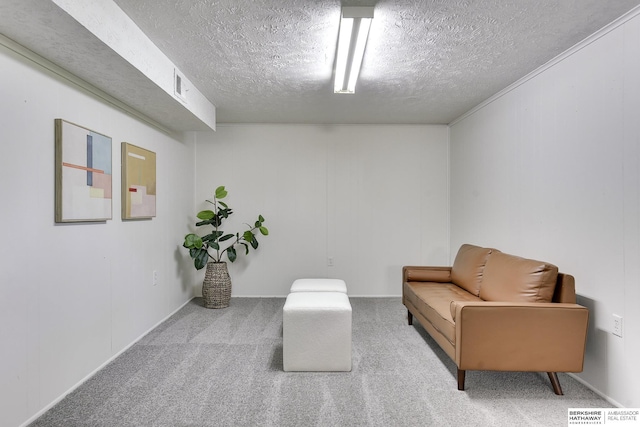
point(83, 183)
point(138, 182)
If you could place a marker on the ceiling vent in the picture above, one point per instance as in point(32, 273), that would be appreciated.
point(179, 86)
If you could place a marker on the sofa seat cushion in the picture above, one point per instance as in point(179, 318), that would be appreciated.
point(468, 267)
point(515, 279)
point(433, 300)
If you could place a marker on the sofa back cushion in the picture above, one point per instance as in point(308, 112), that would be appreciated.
point(514, 279)
point(468, 267)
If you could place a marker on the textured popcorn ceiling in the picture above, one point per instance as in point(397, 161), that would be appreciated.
point(427, 61)
point(44, 28)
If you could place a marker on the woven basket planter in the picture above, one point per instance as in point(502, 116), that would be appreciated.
point(216, 287)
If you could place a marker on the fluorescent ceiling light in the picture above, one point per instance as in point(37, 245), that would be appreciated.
point(354, 30)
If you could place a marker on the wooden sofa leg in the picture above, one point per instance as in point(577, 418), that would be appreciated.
point(410, 317)
point(557, 389)
point(461, 373)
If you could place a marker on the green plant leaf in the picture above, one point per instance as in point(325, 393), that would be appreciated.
point(224, 213)
point(199, 246)
point(201, 259)
point(212, 236)
point(221, 193)
point(207, 214)
point(192, 241)
point(231, 254)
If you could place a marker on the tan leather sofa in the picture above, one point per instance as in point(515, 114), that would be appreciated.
point(498, 312)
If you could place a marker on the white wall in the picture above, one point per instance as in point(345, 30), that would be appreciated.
point(550, 170)
point(72, 296)
point(374, 198)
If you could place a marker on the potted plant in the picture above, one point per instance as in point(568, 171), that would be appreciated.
point(209, 249)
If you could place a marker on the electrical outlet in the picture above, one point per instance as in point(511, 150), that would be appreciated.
point(155, 277)
point(617, 325)
point(330, 261)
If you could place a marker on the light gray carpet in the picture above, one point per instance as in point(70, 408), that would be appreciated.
point(224, 368)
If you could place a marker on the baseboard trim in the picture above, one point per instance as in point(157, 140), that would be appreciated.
point(595, 390)
point(95, 371)
point(116, 355)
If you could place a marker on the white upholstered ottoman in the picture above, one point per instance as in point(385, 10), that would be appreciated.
point(316, 332)
point(319, 285)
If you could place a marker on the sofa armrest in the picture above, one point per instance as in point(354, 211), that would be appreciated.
point(426, 274)
point(503, 336)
